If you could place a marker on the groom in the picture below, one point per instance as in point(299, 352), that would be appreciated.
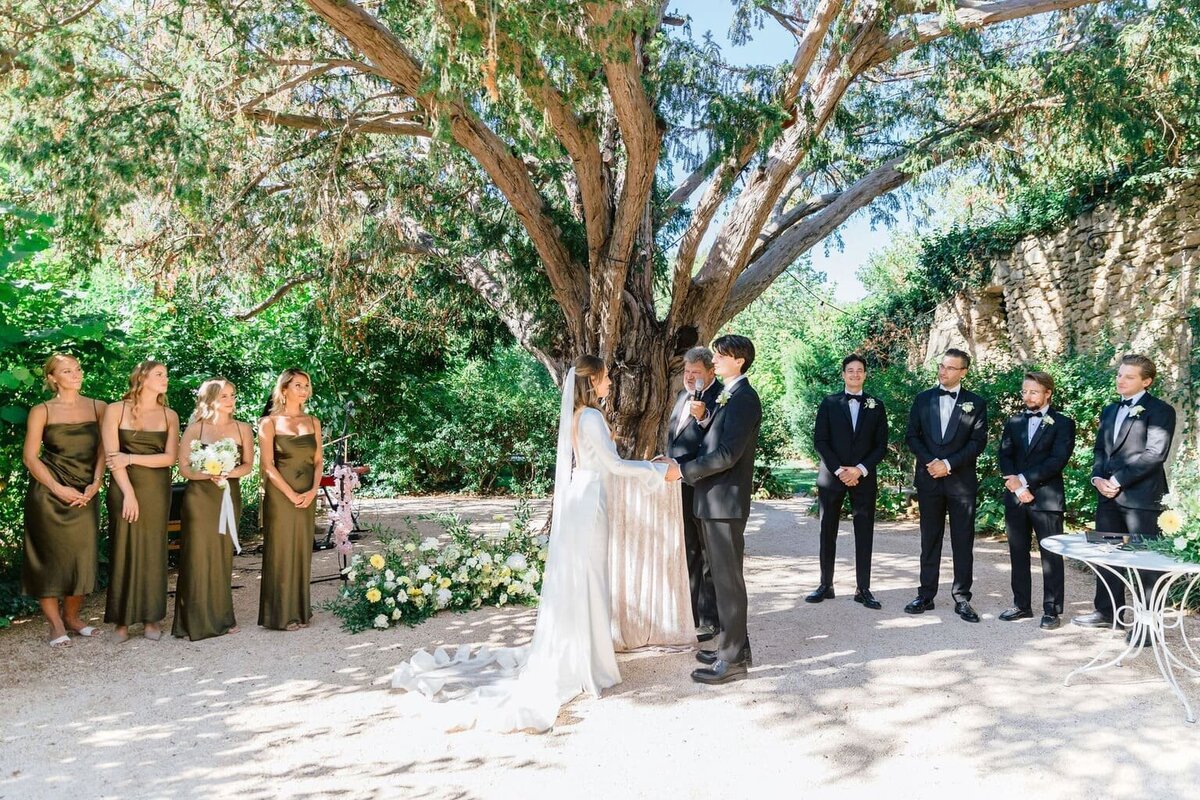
point(722, 475)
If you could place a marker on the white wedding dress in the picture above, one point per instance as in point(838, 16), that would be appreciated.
point(523, 688)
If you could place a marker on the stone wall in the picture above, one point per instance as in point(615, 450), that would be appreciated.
point(1126, 277)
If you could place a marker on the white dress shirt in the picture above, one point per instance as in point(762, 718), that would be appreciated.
point(1032, 425)
point(946, 405)
point(855, 407)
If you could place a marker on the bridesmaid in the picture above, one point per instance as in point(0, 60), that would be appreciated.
point(203, 593)
point(141, 438)
point(64, 457)
point(290, 459)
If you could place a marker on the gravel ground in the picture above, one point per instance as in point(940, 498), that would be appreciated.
point(842, 701)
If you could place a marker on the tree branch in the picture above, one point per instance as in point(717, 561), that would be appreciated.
point(309, 123)
point(276, 296)
point(364, 32)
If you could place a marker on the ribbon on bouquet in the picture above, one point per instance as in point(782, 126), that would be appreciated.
point(227, 524)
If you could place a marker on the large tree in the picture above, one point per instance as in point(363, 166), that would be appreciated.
point(600, 177)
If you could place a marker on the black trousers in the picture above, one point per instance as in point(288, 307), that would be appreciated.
point(1113, 518)
point(934, 508)
point(725, 541)
point(1022, 523)
point(704, 597)
point(862, 509)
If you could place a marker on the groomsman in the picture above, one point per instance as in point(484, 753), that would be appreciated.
point(947, 430)
point(1034, 449)
point(1128, 472)
point(851, 438)
point(693, 409)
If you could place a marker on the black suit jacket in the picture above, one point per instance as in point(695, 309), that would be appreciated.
point(1041, 461)
point(722, 472)
point(966, 436)
point(1138, 456)
point(842, 445)
point(682, 445)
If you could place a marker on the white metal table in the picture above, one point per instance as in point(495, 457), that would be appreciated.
point(1147, 614)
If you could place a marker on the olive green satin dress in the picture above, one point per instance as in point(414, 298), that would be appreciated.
point(288, 536)
point(137, 589)
point(61, 541)
point(203, 592)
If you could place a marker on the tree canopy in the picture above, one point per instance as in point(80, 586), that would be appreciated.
point(567, 161)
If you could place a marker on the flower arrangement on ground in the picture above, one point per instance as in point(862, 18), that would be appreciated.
point(1180, 521)
point(411, 578)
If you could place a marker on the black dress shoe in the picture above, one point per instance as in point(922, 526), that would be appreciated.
point(1093, 620)
point(919, 606)
point(706, 633)
point(865, 597)
point(713, 656)
point(1015, 613)
point(721, 671)
point(822, 592)
point(1050, 622)
point(1143, 640)
point(964, 610)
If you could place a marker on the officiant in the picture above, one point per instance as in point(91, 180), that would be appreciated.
point(694, 407)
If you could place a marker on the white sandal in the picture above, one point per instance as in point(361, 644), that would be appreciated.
point(89, 631)
point(60, 642)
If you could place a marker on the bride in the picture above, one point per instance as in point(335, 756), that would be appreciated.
point(572, 648)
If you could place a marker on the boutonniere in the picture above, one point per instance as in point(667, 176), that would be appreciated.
point(968, 407)
point(1136, 411)
point(871, 402)
point(723, 398)
point(1048, 420)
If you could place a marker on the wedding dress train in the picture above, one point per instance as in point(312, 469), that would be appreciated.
point(523, 688)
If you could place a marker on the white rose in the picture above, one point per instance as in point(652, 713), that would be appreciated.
point(485, 558)
point(396, 614)
point(350, 576)
point(503, 598)
point(389, 576)
point(516, 562)
point(430, 544)
point(472, 562)
point(389, 601)
point(401, 597)
point(443, 597)
point(532, 576)
point(426, 588)
point(381, 621)
point(1181, 542)
point(389, 586)
point(424, 572)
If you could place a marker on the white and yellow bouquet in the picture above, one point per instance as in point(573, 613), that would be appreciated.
point(214, 459)
point(1180, 519)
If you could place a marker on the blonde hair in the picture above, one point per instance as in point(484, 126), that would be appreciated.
point(51, 366)
point(277, 404)
point(587, 368)
point(206, 399)
point(137, 379)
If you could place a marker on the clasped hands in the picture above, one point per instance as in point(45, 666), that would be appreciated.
point(1106, 487)
point(1014, 485)
point(673, 472)
point(937, 469)
point(850, 476)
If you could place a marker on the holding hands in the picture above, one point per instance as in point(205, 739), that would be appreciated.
point(673, 473)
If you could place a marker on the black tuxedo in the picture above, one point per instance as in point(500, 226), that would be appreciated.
point(683, 445)
point(722, 474)
point(1136, 460)
point(843, 444)
point(963, 441)
point(1041, 462)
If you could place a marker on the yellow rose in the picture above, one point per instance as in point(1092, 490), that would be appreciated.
point(414, 591)
point(377, 561)
point(373, 595)
point(444, 583)
point(1171, 521)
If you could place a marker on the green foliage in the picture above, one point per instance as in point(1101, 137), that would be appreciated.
point(412, 579)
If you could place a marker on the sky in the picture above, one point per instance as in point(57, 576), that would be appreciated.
point(774, 44)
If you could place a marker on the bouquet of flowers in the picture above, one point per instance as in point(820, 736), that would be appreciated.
point(1180, 522)
point(214, 459)
point(219, 458)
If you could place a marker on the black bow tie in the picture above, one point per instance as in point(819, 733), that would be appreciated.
point(1032, 414)
point(857, 397)
point(1126, 403)
point(946, 392)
